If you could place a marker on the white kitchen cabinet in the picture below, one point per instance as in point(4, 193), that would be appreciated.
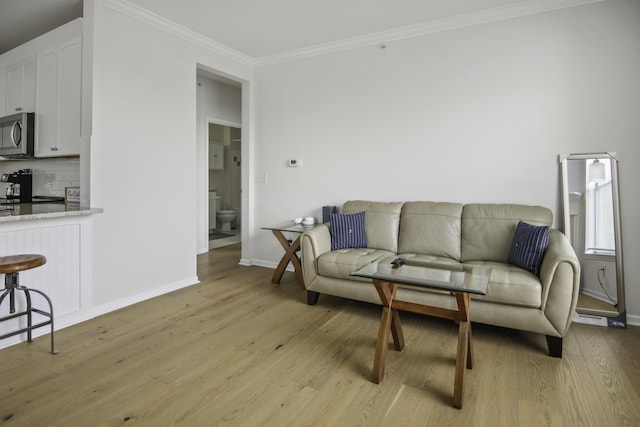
point(58, 100)
point(3, 91)
point(216, 156)
point(47, 99)
point(21, 86)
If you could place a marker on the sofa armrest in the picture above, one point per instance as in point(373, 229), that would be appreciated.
point(313, 243)
point(560, 277)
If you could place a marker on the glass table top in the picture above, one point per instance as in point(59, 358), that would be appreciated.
point(291, 227)
point(417, 274)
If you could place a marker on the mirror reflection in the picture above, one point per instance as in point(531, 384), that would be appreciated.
point(591, 222)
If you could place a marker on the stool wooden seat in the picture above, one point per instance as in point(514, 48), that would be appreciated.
point(11, 266)
point(15, 263)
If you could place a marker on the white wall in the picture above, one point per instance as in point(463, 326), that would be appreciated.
point(475, 114)
point(478, 114)
point(144, 158)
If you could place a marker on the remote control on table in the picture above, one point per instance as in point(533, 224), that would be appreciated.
point(398, 262)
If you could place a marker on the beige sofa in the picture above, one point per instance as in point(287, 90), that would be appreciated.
point(478, 234)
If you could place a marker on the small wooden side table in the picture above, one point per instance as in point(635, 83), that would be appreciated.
point(291, 247)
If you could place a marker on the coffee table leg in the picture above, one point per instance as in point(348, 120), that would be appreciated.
point(389, 321)
point(469, 346)
point(396, 330)
point(464, 351)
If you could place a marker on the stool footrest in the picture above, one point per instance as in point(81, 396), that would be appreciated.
point(28, 313)
point(23, 330)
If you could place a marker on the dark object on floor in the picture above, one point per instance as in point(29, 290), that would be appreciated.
point(215, 235)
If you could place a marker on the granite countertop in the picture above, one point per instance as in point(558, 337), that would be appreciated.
point(31, 211)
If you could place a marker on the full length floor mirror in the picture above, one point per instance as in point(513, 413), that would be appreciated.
point(592, 224)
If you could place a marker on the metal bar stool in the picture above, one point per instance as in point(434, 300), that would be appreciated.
point(10, 266)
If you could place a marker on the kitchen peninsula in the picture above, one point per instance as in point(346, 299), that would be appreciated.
point(43, 94)
point(62, 233)
point(35, 211)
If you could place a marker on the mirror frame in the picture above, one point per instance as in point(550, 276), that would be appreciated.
point(617, 225)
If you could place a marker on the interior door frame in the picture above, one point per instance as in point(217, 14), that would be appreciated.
point(247, 147)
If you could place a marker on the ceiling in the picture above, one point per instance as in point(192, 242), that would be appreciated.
point(23, 20)
point(263, 28)
point(260, 28)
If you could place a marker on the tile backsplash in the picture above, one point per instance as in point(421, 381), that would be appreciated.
point(50, 176)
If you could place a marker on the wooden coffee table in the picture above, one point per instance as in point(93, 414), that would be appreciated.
point(461, 281)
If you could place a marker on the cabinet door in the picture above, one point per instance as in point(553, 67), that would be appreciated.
point(216, 156)
point(3, 92)
point(21, 86)
point(59, 100)
point(29, 85)
point(69, 97)
point(46, 102)
point(14, 88)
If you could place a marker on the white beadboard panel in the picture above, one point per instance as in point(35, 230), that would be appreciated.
point(59, 278)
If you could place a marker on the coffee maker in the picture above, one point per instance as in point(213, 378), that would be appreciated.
point(20, 186)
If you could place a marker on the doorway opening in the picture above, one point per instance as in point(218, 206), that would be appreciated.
point(221, 121)
point(225, 177)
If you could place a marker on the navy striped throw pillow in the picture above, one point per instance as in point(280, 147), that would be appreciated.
point(528, 246)
point(347, 231)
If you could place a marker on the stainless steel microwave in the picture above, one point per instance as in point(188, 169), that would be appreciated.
point(17, 136)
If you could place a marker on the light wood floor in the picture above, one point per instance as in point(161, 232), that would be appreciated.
point(236, 350)
point(586, 301)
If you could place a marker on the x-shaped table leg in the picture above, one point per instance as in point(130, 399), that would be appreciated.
point(390, 321)
point(290, 255)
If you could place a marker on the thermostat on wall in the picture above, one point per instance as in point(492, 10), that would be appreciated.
point(294, 163)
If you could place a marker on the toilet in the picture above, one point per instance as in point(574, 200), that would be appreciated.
point(225, 216)
point(236, 222)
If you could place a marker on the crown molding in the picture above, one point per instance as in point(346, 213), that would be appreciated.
point(426, 28)
point(524, 8)
point(148, 17)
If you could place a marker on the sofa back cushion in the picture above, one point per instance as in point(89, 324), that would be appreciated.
point(488, 229)
point(431, 228)
point(381, 222)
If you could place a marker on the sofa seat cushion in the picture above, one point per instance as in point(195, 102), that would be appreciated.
point(510, 285)
point(342, 262)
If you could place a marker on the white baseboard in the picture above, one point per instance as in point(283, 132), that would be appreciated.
point(82, 316)
point(633, 320)
point(134, 299)
point(269, 264)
